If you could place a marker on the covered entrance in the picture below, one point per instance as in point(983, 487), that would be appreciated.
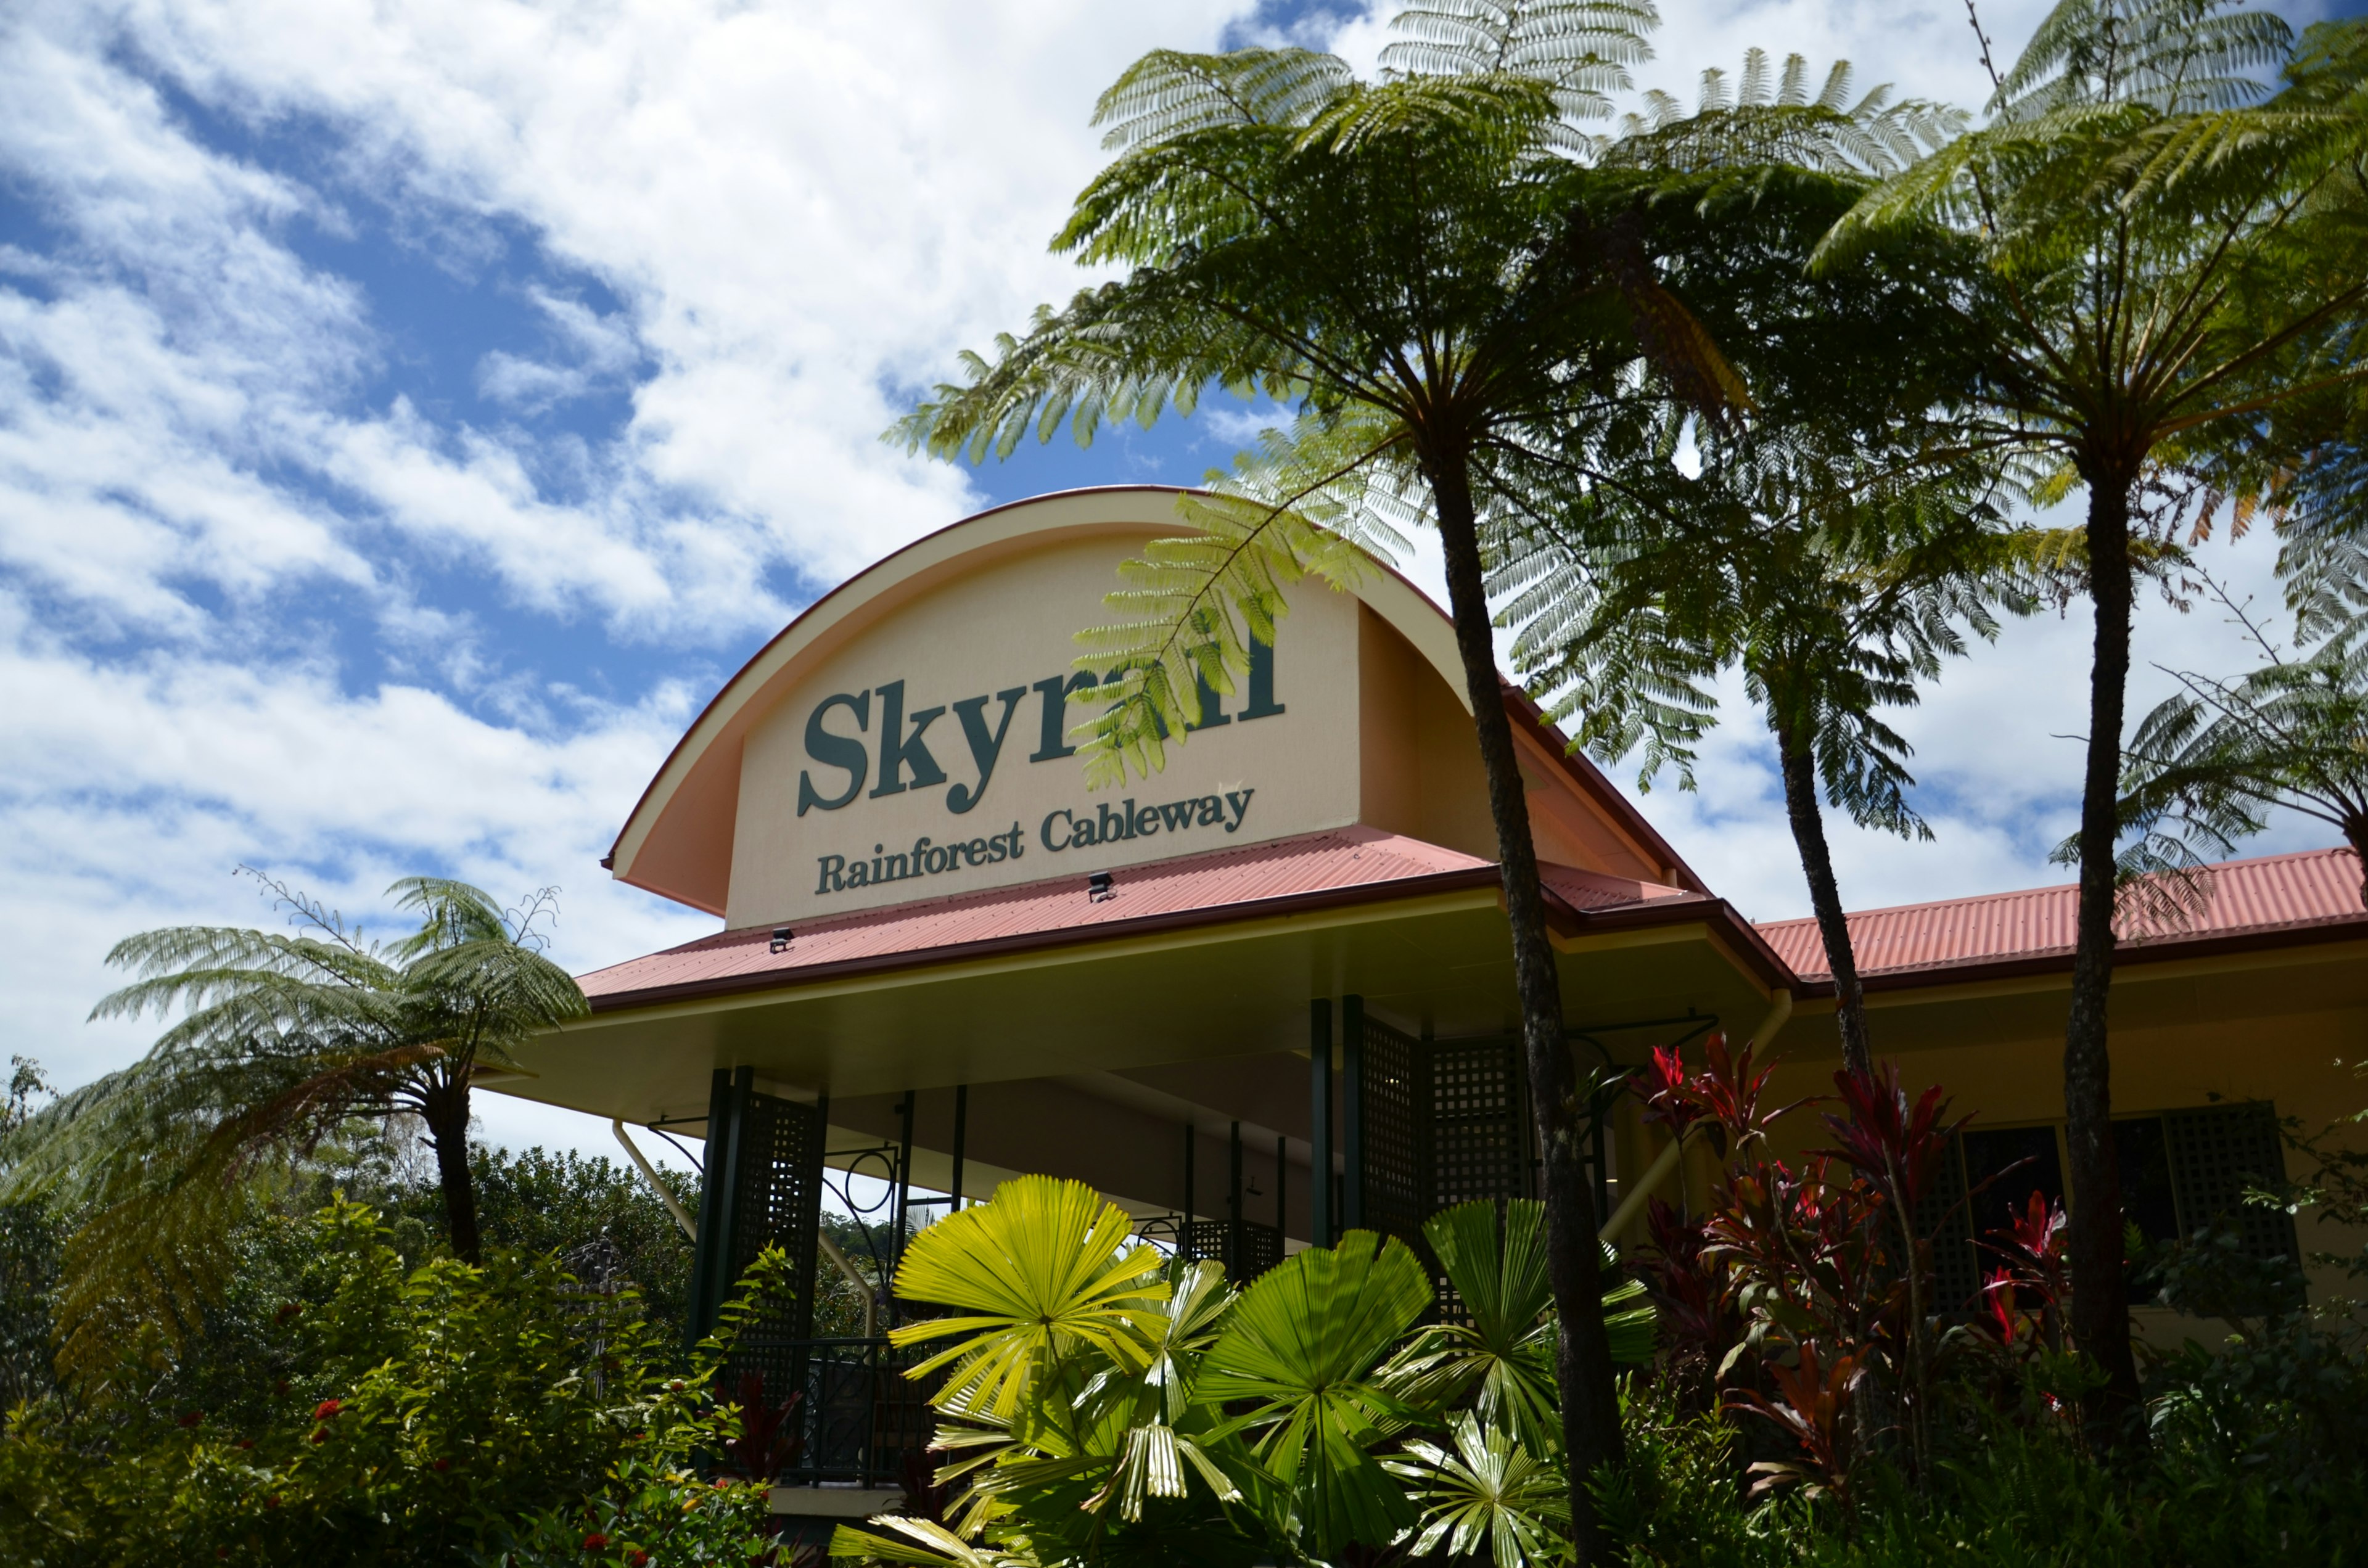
point(1259, 997)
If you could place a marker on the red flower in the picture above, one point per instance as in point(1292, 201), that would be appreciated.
point(596, 1541)
point(320, 1433)
point(272, 1501)
point(640, 1559)
point(279, 1387)
point(326, 1408)
point(246, 1442)
point(190, 1418)
point(443, 1464)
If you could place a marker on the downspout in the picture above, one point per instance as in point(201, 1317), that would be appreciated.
point(1659, 1171)
point(690, 1228)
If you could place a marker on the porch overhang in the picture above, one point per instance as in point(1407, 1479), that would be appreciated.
point(1169, 985)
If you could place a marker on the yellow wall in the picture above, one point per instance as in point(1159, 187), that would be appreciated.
point(2287, 1027)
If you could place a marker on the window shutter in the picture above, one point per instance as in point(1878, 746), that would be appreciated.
point(1943, 1217)
point(2215, 1153)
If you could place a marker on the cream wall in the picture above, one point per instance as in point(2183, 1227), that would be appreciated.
point(2302, 1061)
point(1008, 625)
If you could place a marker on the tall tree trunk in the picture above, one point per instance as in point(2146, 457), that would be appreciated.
point(2100, 1314)
point(1799, 766)
point(1590, 1405)
point(444, 1108)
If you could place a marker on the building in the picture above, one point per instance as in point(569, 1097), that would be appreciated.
point(1267, 992)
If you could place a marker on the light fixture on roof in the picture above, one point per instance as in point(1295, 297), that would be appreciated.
point(1097, 887)
point(780, 939)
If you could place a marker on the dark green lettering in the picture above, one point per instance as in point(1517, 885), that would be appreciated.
point(1177, 815)
point(1262, 704)
point(984, 748)
point(833, 878)
point(1240, 801)
point(1212, 810)
point(1055, 692)
point(899, 751)
point(836, 751)
point(1212, 706)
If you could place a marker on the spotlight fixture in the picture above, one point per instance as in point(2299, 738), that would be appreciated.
point(780, 939)
point(1097, 887)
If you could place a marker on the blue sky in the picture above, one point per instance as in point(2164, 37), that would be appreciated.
point(409, 415)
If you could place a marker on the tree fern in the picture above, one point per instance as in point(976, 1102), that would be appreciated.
point(282, 1038)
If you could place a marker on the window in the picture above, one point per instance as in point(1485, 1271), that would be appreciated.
point(2016, 1162)
point(2149, 1200)
point(2179, 1172)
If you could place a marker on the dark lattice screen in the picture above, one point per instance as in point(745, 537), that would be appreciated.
point(2215, 1154)
point(777, 1200)
point(1259, 1247)
point(1480, 1139)
point(1396, 1097)
point(1942, 1217)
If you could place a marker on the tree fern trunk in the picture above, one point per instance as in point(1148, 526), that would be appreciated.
point(2101, 1317)
point(1591, 1409)
point(1799, 769)
point(444, 1108)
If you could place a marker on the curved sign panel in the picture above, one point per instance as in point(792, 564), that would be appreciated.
point(933, 751)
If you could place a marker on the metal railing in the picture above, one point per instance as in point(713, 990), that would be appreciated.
point(861, 1419)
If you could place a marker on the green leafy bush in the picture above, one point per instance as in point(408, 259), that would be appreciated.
point(424, 1414)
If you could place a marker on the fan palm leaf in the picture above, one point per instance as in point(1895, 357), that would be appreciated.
point(1044, 1268)
point(1298, 1352)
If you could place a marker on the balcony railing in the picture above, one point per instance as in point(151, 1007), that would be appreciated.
point(861, 1419)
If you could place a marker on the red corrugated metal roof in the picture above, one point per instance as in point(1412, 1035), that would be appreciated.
point(2274, 893)
point(1215, 881)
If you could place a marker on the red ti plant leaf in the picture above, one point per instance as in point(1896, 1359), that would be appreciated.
point(1811, 1407)
point(1899, 1147)
point(1667, 1091)
point(1688, 1283)
point(1728, 1092)
point(769, 1442)
point(2032, 1248)
point(2000, 1315)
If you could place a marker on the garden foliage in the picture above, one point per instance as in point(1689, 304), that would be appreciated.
point(439, 1413)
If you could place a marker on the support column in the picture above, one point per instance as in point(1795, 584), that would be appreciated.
point(1191, 1186)
point(961, 1132)
point(1234, 1205)
point(1319, 1123)
point(903, 1206)
point(1353, 1113)
point(711, 1279)
point(1281, 1209)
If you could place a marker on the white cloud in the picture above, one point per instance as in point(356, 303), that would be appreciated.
point(800, 211)
point(133, 788)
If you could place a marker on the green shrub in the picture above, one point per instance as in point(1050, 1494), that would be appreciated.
point(423, 1416)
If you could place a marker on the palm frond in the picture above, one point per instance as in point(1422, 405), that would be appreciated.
point(1580, 49)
